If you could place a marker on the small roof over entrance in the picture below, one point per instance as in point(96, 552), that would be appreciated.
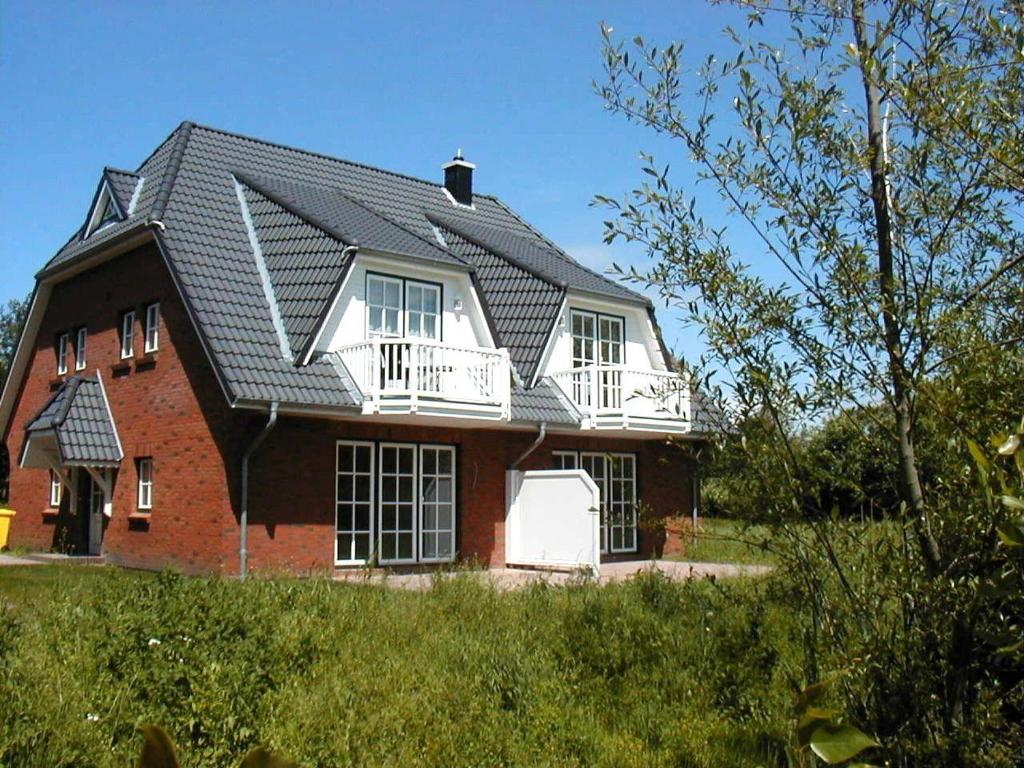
point(74, 428)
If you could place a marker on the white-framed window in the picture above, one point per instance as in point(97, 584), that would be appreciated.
point(422, 310)
point(396, 307)
point(395, 503)
point(62, 354)
point(615, 476)
point(354, 502)
point(56, 489)
point(384, 306)
point(437, 503)
point(104, 213)
point(144, 468)
point(565, 459)
point(152, 337)
point(127, 334)
point(81, 341)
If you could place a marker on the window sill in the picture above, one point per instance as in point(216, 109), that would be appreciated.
point(57, 380)
point(147, 361)
point(142, 514)
point(121, 367)
point(51, 511)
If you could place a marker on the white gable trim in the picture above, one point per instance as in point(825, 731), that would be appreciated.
point(106, 195)
point(135, 195)
point(546, 351)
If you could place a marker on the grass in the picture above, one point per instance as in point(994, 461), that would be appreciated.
point(647, 673)
point(729, 541)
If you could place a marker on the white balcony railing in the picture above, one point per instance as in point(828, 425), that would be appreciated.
point(613, 395)
point(411, 374)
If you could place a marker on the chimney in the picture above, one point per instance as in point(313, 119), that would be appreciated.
point(458, 179)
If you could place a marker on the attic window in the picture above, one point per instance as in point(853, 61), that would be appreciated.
point(104, 213)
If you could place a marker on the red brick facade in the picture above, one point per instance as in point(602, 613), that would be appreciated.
point(170, 407)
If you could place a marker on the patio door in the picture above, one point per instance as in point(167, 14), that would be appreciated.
point(384, 321)
point(355, 503)
point(398, 508)
point(615, 476)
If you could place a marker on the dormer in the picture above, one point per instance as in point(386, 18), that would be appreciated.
point(114, 201)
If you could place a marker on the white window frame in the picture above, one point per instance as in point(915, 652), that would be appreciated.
point(561, 456)
point(96, 220)
point(407, 313)
point(377, 495)
point(385, 307)
point(404, 286)
point(414, 557)
point(604, 485)
point(56, 489)
point(128, 334)
point(151, 335)
point(449, 449)
point(81, 344)
point(62, 353)
point(144, 491)
point(351, 444)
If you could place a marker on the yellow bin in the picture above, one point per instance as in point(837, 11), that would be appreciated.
point(5, 525)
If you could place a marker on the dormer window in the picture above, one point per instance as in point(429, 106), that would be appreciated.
point(399, 307)
point(104, 213)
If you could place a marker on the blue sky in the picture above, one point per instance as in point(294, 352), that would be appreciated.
point(399, 85)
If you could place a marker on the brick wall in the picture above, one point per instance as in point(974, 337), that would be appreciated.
point(173, 410)
point(292, 492)
point(170, 408)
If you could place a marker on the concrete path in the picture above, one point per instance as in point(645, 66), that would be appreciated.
point(42, 558)
point(511, 578)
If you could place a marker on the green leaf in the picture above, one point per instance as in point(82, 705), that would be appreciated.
point(836, 743)
point(1012, 502)
point(979, 457)
point(157, 749)
point(1011, 535)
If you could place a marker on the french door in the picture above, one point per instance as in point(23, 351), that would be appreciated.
point(95, 504)
point(395, 503)
point(597, 340)
point(615, 476)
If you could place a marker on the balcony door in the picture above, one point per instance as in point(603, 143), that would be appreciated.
point(397, 308)
point(597, 340)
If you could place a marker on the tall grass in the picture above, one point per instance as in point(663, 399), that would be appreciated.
point(647, 673)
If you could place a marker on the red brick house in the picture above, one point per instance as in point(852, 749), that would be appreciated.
point(252, 351)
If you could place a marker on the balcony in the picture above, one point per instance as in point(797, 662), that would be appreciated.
point(412, 375)
point(616, 397)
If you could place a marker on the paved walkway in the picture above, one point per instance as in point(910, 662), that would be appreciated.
point(510, 578)
point(42, 558)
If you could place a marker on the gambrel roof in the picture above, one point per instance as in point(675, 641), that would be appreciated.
point(207, 194)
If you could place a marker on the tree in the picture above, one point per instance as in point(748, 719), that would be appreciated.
point(875, 152)
point(12, 318)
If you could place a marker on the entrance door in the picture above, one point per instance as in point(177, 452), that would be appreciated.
point(94, 508)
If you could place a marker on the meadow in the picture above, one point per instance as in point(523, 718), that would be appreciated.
point(645, 673)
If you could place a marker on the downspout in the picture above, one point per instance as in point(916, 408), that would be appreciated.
point(243, 517)
point(540, 439)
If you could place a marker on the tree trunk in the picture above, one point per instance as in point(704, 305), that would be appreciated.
point(909, 478)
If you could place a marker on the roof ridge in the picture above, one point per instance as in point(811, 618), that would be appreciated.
point(170, 175)
point(324, 156)
point(122, 171)
point(394, 223)
point(510, 259)
point(292, 208)
point(562, 254)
